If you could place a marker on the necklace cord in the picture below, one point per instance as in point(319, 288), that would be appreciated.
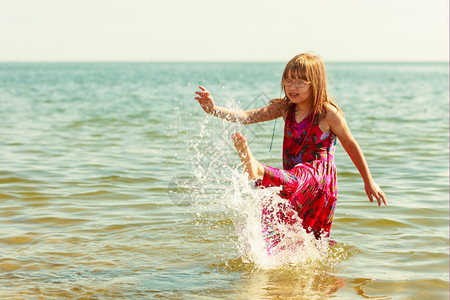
point(273, 131)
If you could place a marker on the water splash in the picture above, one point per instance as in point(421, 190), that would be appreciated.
point(294, 246)
point(218, 187)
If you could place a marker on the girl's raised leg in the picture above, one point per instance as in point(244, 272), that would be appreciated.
point(253, 167)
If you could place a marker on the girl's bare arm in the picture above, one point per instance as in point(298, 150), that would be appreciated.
point(339, 127)
point(267, 113)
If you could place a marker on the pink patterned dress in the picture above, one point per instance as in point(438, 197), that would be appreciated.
point(308, 180)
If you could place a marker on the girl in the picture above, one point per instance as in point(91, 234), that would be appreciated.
point(312, 124)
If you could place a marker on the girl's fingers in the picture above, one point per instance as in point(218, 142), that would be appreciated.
point(203, 93)
point(379, 198)
point(383, 197)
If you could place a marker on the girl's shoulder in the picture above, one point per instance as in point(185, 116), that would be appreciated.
point(338, 125)
point(333, 112)
point(333, 116)
point(282, 105)
point(280, 102)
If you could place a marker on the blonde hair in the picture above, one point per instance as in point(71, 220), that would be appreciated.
point(310, 68)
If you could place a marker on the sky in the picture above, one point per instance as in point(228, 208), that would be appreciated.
point(225, 30)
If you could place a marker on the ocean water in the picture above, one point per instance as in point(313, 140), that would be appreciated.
point(115, 184)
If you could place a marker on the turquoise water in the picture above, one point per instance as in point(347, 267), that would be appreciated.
point(114, 183)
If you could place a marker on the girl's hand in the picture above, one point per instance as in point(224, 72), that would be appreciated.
point(373, 190)
point(206, 100)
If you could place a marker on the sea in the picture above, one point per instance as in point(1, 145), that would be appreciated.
point(115, 184)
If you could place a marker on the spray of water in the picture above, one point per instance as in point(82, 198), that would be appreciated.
point(281, 244)
point(217, 183)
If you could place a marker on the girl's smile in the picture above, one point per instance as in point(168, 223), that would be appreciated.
point(298, 95)
point(297, 90)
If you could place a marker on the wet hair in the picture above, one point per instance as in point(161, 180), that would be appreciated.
point(309, 67)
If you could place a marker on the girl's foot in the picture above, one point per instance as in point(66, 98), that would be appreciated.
point(253, 167)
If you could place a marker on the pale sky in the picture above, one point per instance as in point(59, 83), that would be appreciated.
point(225, 30)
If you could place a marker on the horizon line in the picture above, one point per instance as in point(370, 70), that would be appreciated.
point(217, 61)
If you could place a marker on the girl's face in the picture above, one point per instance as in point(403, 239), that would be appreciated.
point(297, 90)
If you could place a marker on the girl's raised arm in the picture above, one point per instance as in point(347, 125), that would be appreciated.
point(339, 127)
point(267, 113)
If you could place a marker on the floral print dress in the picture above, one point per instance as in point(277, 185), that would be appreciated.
point(308, 180)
